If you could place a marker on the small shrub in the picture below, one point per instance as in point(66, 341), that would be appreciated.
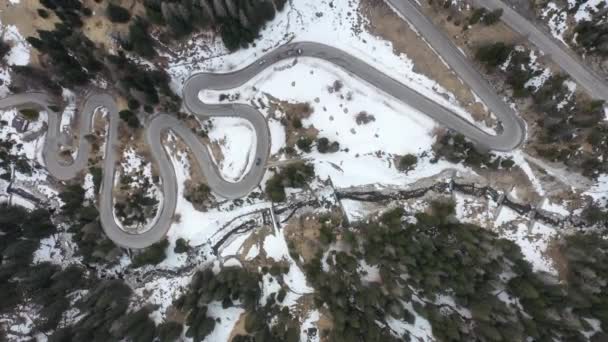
point(152, 255)
point(407, 163)
point(130, 118)
point(117, 14)
point(181, 246)
point(324, 146)
point(30, 114)
point(304, 144)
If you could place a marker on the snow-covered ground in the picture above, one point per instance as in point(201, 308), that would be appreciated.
point(397, 129)
point(237, 140)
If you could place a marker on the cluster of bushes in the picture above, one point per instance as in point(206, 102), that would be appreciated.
point(493, 54)
point(142, 86)
point(484, 16)
point(104, 316)
point(407, 163)
point(93, 244)
point(5, 48)
point(10, 161)
point(326, 146)
point(74, 207)
point(198, 194)
point(593, 36)
point(238, 21)
point(323, 144)
point(139, 39)
point(435, 256)
point(595, 214)
point(294, 175)
point(152, 255)
point(21, 232)
point(117, 14)
point(71, 55)
point(129, 118)
point(83, 221)
point(181, 246)
point(137, 208)
point(455, 148)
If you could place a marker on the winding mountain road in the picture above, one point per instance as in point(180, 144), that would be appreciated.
point(511, 135)
point(509, 139)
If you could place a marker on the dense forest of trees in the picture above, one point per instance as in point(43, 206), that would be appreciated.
point(419, 260)
point(455, 148)
point(294, 175)
point(435, 256)
point(238, 21)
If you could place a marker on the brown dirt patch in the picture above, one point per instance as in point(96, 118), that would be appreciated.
point(560, 262)
point(239, 327)
point(289, 113)
point(25, 17)
point(302, 233)
point(99, 29)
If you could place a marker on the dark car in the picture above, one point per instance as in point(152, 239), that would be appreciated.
point(258, 161)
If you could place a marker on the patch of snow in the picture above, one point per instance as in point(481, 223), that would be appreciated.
point(506, 215)
point(234, 246)
point(309, 324)
point(49, 251)
point(586, 8)
point(277, 136)
point(533, 240)
point(599, 191)
point(557, 20)
point(227, 320)
point(195, 226)
point(253, 252)
point(162, 292)
point(421, 328)
point(555, 208)
point(89, 187)
point(20, 49)
point(520, 160)
point(237, 140)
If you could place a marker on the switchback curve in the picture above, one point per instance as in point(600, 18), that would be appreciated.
point(512, 135)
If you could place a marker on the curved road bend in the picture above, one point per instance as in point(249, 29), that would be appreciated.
point(510, 138)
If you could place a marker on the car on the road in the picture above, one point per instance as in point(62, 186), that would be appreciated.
point(258, 161)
